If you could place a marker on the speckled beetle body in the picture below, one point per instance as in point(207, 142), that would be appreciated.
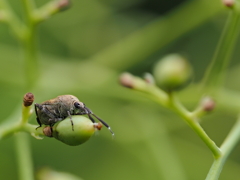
point(57, 109)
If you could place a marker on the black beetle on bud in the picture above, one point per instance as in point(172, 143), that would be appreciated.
point(61, 107)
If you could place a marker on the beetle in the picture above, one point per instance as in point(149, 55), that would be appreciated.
point(57, 109)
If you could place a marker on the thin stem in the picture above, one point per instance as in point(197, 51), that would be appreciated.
point(26, 112)
point(29, 45)
point(215, 73)
point(29, 7)
point(24, 157)
point(18, 28)
point(7, 130)
point(193, 123)
point(30, 60)
point(47, 10)
point(170, 101)
point(227, 146)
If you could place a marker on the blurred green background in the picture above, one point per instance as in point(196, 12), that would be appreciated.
point(83, 50)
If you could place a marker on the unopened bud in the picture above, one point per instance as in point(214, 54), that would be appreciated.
point(228, 3)
point(127, 80)
point(98, 126)
point(28, 99)
point(47, 131)
point(63, 4)
point(172, 72)
point(208, 104)
point(149, 78)
point(83, 128)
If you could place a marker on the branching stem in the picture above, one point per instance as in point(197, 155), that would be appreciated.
point(227, 147)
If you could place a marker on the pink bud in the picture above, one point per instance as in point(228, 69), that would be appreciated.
point(127, 80)
point(228, 3)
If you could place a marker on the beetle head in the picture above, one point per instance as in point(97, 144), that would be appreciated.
point(82, 106)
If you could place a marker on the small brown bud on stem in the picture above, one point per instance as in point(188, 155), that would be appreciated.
point(47, 131)
point(28, 99)
point(98, 126)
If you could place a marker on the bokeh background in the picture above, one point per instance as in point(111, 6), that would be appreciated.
point(83, 50)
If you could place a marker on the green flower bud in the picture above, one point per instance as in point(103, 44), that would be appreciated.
point(172, 72)
point(82, 129)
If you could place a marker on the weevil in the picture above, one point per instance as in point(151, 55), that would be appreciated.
point(57, 109)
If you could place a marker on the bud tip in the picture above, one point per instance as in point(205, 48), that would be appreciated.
point(208, 104)
point(47, 131)
point(148, 77)
point(63, 4)
point(228, 3)
point(28, 99)
point(126, 79)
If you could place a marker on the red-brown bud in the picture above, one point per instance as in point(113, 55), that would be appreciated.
point(47, 131)
point(28, 99)
point(98, 126)
point(208, 104)
point(63, 4)
point(228, 3)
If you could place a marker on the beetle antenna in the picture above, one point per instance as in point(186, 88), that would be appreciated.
point(102, 121)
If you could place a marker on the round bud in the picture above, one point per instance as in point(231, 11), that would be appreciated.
point(228, 3)
point(82, 129)
point(28, 99)
point(172, 72)
point(208, 104)
point(63, 4)
point(127, 80)
point(47, 131)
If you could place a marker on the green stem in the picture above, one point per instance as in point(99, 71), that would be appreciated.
point(18, 28)
point(193, 123)
point(29, 44)
point(7, 130)
point(170, 101)
point(215, 73)
point(24, 157)
point(30, 60)
point(31, 71)
point(227, 146)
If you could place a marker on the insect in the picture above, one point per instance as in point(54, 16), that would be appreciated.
point(57, 109)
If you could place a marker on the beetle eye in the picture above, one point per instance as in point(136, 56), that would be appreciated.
point(77, 105)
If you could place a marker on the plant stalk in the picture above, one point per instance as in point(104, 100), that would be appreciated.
point(227, 147)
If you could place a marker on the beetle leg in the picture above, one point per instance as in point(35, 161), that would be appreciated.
point(90, 117)
point(70, 119)
point(40, 107)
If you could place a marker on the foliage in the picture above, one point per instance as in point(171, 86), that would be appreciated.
point(82, 51)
